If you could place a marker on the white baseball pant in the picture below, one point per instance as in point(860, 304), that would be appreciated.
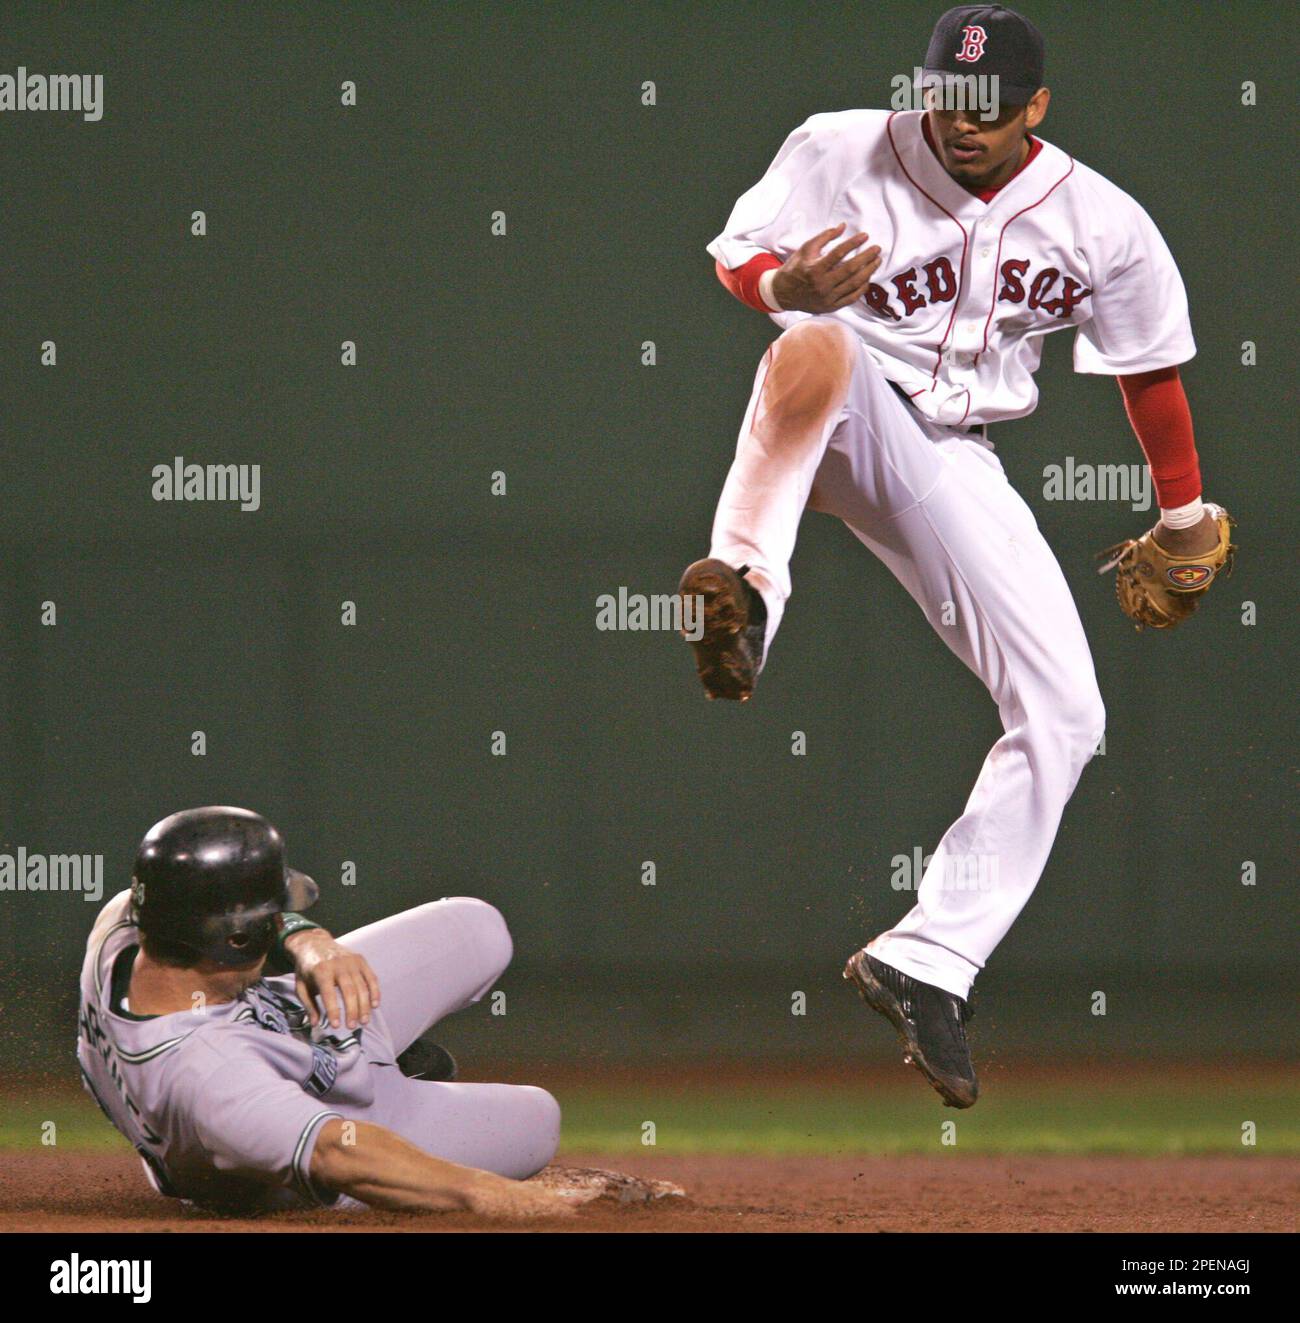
point(825, 430)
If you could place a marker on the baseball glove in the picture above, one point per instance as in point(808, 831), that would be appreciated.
point(1160, 590)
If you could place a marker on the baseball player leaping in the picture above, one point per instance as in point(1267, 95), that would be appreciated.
point(914, 261)
point(244, 1090)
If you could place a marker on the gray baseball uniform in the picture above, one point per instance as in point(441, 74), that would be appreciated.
point(224, 1103)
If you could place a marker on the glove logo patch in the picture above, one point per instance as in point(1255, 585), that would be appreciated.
point(1184, 577)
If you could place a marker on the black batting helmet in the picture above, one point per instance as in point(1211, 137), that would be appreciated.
point(212, 880)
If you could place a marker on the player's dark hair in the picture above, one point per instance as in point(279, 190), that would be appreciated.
point(176, 954)
point(167, 952)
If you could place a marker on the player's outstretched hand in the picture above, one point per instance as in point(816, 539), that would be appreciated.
point(815, 281)
point(340, 978)
point(519, 1200)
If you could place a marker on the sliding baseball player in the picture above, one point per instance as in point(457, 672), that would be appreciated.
point(246, 1090)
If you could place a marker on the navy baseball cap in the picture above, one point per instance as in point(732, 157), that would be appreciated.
point(987, 40)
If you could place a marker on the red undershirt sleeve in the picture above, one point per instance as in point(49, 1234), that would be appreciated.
point(743, 281)
point(1157, 407)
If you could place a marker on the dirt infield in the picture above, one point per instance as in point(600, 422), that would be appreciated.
point(106, 1192)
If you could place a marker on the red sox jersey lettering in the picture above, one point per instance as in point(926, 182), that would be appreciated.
point(1072, 293)
point(940, 286)
point(967, 289)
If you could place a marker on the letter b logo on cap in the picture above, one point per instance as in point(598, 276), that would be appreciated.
point(972, 44)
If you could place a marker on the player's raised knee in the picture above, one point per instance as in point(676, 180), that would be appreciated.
point(540, 1130)
point(1078, 717)
point(809, 373)
point(491, 937)
point(546, 1114)
point(1096, 724)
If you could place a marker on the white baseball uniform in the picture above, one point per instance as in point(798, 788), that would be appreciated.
point(224, 1105)
point(946, 340)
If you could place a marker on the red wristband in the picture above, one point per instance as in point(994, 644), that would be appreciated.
point(743, 281)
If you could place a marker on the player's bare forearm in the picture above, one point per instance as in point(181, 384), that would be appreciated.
point(380, 1168)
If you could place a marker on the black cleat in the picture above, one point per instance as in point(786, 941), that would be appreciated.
point(931, 1024)
point(427, 1060)
point(730, 650)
